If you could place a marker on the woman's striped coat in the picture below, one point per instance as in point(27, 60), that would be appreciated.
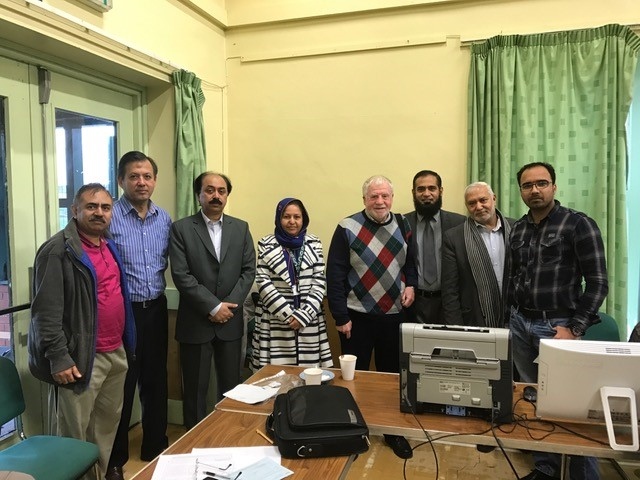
point(274, 341)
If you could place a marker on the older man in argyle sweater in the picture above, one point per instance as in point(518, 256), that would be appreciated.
point(371, 278)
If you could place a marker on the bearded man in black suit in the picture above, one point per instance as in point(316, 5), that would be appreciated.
point(428, 224)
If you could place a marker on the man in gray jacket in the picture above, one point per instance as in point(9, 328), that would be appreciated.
point(213, 264)
point(81, 324)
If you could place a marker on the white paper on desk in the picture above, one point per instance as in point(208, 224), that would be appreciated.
point(240, 457)
point(265, 469)
point(183, 466)
point(251, 393)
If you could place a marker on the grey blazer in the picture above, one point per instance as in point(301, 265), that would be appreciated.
point(204, 281)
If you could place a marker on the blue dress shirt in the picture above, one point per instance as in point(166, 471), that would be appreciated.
point(143, 246)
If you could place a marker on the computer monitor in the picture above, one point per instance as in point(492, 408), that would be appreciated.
point(591, 381)
point(456, 370)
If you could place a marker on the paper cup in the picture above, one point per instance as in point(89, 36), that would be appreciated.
point(313, 376)
point(348, 366)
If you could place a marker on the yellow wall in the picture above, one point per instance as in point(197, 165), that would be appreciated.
point(321, 101)
point(308, 98)
point(304, 97)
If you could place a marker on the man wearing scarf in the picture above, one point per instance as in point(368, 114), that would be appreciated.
point(473, 262)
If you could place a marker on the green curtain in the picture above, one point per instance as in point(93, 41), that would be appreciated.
point(561, 98)
point(191, 153)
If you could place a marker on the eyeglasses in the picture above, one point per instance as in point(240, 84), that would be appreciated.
point(540, 185)
point(214, 475)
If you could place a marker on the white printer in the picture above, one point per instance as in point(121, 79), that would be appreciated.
point(456, 370)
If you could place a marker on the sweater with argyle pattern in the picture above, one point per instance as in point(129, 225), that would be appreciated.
point(369, 264)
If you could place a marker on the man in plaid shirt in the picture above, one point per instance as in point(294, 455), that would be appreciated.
point(553, 250)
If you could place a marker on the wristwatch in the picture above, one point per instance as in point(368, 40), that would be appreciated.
point(577, 330)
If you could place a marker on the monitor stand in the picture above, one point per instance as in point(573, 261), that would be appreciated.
point(620, 392)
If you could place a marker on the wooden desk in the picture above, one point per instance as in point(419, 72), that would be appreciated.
point(225, 429)
point(378, 397)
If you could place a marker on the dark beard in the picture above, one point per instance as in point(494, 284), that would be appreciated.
point(427, 210)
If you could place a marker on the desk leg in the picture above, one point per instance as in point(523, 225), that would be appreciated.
point(345, 471)
point(563, 466)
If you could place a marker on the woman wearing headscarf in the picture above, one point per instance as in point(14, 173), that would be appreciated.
point(290, 325)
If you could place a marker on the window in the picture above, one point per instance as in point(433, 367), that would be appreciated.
point(633, 210)
point(85, 152)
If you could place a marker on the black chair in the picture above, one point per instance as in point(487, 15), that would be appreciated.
point(44, 457)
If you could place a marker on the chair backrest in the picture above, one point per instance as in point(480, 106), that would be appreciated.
point(606, 330)
point(11, 398)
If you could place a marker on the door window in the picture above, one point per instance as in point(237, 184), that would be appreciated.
point(85, 153)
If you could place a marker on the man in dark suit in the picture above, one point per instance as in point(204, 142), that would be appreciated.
point(429, 223)
point(213, 266)
point(473, 262)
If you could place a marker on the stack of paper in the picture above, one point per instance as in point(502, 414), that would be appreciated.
point(236, 463)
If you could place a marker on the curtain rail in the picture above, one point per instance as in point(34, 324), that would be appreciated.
point(635, 27)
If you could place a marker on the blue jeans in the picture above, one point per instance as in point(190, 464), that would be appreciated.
point(525, 339)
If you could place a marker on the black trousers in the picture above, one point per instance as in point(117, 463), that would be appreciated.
point(149, 371)
point(195, 360)
point(378, 333)
point(427, 310)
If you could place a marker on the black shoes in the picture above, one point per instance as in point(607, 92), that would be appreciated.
point(114, 473)
point(485, 448)
point(147, 457)
point(146, 454)
point(399, 445)
point(538, 475)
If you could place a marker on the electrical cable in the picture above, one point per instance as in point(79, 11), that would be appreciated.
point(616, 466)
point(500, 445)
point(549, 428)
point(537, 430)
point(429, 440)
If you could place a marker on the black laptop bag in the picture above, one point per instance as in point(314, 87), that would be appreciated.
point(317, 421)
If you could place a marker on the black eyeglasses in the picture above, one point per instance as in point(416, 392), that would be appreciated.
point(540, 185)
